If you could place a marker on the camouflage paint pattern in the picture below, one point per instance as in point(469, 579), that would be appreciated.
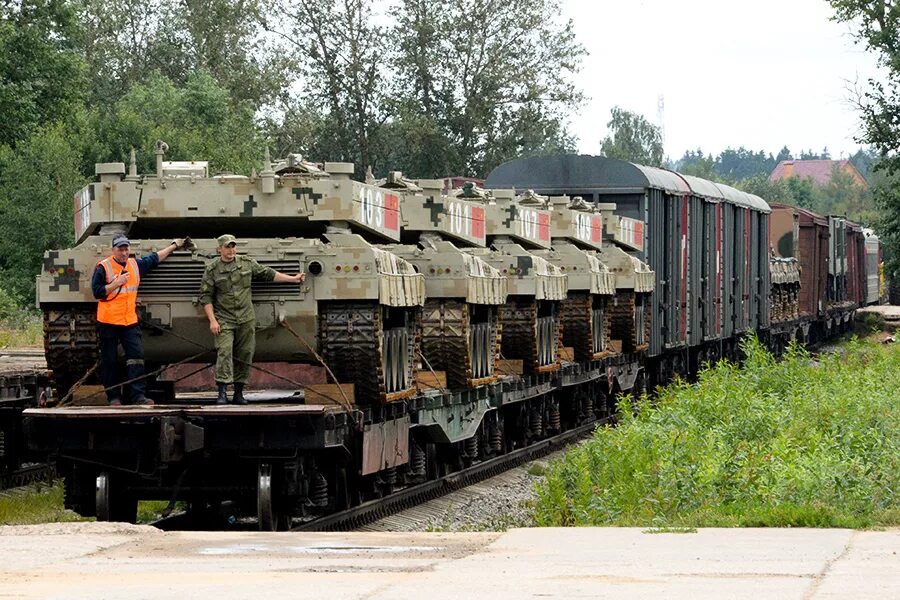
point(526, 274)
point(451, 273)
point(505, 217)
point(344, 267)
point(309, 194)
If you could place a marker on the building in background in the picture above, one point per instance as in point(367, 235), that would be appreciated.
point(818, 170)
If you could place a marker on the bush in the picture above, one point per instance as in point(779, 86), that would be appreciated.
point(801, 442)
point(18, 326)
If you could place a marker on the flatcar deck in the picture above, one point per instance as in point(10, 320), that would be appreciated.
point(173, 410)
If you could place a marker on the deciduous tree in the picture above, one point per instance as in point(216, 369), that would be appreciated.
point(632, 137)
point(496, 77)
point(42, 76)
point(877, 24)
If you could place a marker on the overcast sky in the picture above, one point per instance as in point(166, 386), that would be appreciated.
point(758, 74)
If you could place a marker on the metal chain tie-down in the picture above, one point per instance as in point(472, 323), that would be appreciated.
point(346, 404)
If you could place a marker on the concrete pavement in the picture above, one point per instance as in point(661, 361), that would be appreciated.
point(104, 560)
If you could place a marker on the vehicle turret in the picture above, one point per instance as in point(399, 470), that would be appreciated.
point(290, 197)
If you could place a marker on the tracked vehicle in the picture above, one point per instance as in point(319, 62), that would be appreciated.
point(585, 314)
point(531, 319)
point(460, 326)
point(357, 309)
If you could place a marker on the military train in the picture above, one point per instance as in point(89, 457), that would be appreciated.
point(453, 327)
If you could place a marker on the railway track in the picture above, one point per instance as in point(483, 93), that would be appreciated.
point(401, 500)
point(27, 475)
point(373, 510)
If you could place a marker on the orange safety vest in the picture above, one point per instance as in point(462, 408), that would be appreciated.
point(120, 308)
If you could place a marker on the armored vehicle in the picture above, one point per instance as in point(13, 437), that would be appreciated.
point(356, 312)
point(585, 311)
point(460, 330)
point(531, 318)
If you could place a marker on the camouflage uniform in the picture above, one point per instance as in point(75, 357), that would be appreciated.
point(226, 285)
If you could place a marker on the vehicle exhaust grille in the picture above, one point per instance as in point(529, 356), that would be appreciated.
point(176, 278)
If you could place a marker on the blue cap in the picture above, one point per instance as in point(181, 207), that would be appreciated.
point(120, 240)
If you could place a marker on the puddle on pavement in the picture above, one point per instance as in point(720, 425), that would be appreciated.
point(331, 549)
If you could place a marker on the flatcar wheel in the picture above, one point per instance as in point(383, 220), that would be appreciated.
point(104, 508)
point(112, 501)
point(342, 499)
point(265, 500)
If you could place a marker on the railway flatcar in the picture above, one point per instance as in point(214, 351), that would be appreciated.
point(387, 418)
point(24, 383)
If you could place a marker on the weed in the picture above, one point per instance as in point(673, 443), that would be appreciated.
point(35, 505)
point(789, 443)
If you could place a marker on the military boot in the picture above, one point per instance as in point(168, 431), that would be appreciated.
point(223, 394)
point(239, 394)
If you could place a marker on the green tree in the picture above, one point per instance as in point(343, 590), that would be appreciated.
point(37, 181)
point(739, 164)
point(199, 120)
point(632, 138)
point(42, 77)
point(864, 159)
point(844, 195)
point(125, 42)
point(698, 165)
point(770, 191)
point(878, 30)
point(783, 154)
point(495, 77)
point(344, 52)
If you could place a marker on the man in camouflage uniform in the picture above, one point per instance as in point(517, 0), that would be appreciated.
point(225, 296)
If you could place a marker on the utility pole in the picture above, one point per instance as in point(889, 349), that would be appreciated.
point(661, 117)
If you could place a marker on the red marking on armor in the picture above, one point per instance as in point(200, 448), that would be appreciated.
point(391, 212)
point(639, 233)
point(478, 223)
point(596, 228)
point(544, 226)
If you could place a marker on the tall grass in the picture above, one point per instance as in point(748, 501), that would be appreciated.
point(811, 442)
point(43, 505)
point(24, 328)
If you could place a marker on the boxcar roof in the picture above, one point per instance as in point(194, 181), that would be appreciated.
point(740, 198)
point(806, 216)
point(703, 187)
point(583, 173)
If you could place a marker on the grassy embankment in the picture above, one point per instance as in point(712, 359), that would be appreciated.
point(811, 442)
point(45, 505)
point(24, 329)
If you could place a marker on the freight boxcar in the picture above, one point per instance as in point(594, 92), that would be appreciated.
point(873, 268)
point(706, 242)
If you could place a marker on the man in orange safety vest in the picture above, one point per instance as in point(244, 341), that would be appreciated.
point(115, 286)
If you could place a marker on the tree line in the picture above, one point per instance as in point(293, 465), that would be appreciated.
point(632, 137)
point(432, 87)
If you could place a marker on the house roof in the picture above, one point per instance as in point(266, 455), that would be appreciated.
point(818, 170)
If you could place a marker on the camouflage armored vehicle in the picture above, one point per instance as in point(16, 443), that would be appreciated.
point(585, 311)
point(460, 321)
point(531, 318)
point(631, 317)
point(357, 309)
